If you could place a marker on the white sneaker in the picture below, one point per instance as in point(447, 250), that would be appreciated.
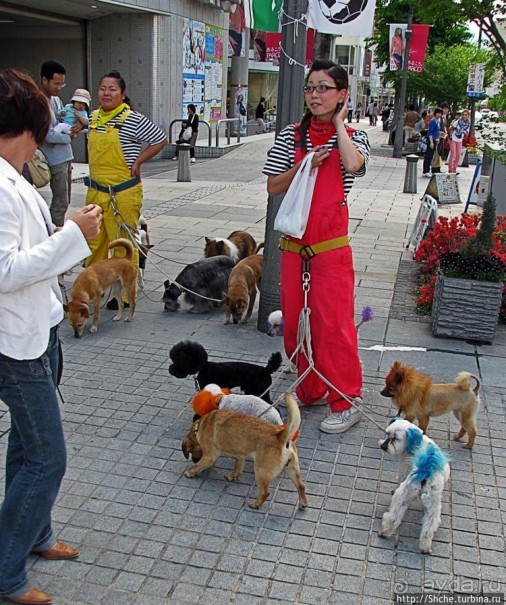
point(427, 175)
point(339, 422)
point(193, 160)
point(174, 158)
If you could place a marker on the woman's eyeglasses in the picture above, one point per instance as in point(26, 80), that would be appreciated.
point(319, 88)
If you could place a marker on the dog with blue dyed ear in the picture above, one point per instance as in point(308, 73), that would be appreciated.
point(423, 473)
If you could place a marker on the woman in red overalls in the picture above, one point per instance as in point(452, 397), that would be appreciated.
point(340, 154)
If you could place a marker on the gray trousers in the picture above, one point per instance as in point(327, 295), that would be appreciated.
point(61, 180)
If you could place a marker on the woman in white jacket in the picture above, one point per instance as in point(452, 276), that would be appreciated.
point(31, 256)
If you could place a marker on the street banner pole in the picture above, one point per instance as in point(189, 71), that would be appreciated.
point(399, 131)
point(289, 110)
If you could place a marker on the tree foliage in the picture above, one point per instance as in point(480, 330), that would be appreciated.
point(448, 20)
point(445, 74)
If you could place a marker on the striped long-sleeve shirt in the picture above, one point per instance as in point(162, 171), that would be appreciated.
point(282, 155)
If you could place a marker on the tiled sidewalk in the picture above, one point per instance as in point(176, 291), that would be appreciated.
point(150, 536)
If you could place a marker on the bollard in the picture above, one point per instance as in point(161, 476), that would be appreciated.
point(410, 176)
point(183, 164)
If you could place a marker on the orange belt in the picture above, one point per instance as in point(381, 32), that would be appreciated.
point(286, 245)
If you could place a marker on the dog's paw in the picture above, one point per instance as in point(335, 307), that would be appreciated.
point(467, 446)
point(255, 505)
point(93, 329)
point(128, 319)
point(426, 551)
point(226, 322)
point(189, 474)
point(231, 477)
point(116, 318)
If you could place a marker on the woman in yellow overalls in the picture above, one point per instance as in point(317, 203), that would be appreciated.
point(116, 134)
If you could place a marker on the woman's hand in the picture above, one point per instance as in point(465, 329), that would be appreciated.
point(341, 114)
point(88, 219)
point(136, 169)
point(320, 155)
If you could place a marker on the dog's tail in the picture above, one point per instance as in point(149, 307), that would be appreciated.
point(274, 362)
point(293, 422)
point(463, 383)
point(259, 247)
point(123, 243)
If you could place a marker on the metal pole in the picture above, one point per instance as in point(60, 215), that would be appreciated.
point(290, 106)
point(399, 132)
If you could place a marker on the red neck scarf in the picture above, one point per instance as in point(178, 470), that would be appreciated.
point(320, 132)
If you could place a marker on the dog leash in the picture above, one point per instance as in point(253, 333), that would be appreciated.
point(304, 346)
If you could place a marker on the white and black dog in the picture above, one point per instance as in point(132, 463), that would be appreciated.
point(207, 277)
point(423, 473)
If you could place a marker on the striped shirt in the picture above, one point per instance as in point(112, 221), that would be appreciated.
point(136, 129)
point(282, 155)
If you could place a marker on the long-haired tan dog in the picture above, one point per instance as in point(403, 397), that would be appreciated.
point(118, 272)
point(241, 435)
point(414, 394)
point(243, 281)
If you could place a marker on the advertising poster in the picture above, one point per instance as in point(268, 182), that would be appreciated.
point(476, 80)
point(397, 45)
point(239, 96)
point(237, 33)
point(213, 74)
point(273, 47)
point(194, 52)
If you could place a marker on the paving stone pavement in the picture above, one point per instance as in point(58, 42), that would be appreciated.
point(150, 536)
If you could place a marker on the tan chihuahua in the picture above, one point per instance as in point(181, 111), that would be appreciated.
point(243, 281)
point(118, 272)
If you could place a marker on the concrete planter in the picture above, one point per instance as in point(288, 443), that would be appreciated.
point(467, 309)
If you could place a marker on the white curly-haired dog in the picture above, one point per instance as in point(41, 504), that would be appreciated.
point(423, 472)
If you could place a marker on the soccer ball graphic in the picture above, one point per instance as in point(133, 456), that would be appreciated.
point(342, 11)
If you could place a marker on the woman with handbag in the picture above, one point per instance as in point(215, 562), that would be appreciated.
point(340, 154)
point(188, 133)
point(116, 135)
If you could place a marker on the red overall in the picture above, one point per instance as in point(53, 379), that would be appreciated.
point(331, 296)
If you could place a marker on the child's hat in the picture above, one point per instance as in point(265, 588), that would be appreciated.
point(81, 95)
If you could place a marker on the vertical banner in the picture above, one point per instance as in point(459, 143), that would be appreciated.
point(367, 64)
point(259, 45)
point(213, 73)
point(236, 33)
point(273, 47)
point(476, 81)
point(342, 17)
point(194, 52)
point(266, 15)
point(418, 47)
point(397, 44)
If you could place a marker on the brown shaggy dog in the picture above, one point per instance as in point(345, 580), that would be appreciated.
point(237, 245)
point(414, 394)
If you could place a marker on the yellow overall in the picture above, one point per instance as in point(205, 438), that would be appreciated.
point(108, 167)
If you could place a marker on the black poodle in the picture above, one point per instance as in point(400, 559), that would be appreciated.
point(190, 358)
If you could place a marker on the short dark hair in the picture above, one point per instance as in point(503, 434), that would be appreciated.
point(438, 110)
point(445, 106)
point(411, 107)
point(49, 68)
point(23, 106)
point(192, 107)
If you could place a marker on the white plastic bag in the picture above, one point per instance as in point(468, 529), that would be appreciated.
point(293, 213)
point(187, 133)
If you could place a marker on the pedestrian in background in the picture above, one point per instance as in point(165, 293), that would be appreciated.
point(114, 147)
point(351, 107)
point(340, 155)
point(410, 120)
point(57, 147)
point(32, 255)
point(260, 116)
point(358, 112)
point(458, 129)
point(433, 136)
point(193, 123)
point(370, 113)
